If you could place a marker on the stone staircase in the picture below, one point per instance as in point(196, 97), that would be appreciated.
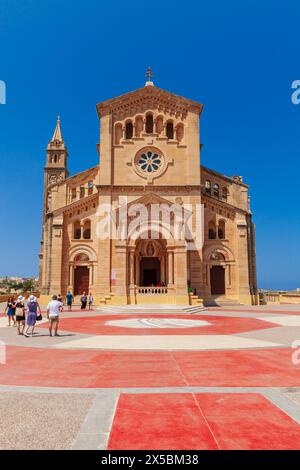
point(221, 301)
point(150, 309)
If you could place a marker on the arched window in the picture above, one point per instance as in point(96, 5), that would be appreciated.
point(128, 130)
point(170, 130)
point(211, 230)
point(82, 192)
point(87, 230)
point(118, 133)
point(139, 125)
point(179, 132)
point(90, 187)
point(77, 230)
point(55, 158)
point(221, 229)
point(224, 193)
point(216, 190)
point(208, 187)
point(159, 125)
point(73, 193)
point(149, 124)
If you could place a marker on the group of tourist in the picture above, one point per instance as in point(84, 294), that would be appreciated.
point(24, 314)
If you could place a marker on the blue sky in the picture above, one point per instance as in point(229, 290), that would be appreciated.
point(237, 58)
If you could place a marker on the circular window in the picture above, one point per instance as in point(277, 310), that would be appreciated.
point(150, 161)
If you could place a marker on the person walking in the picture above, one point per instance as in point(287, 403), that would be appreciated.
point(20, 314)
point(53, 310)
point(83, 300)
point(10, 309)
point(69, 300)
point(60, 299)
point(91, 300)
point(33, 307)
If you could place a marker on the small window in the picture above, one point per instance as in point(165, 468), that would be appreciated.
point(224, 193)
point(82, 192)
point(221, 230)
point(211, 234)
point(208, 187)
point(77, 231)
point(170, 130)
point(90, 187)
point(149, 124)
point(128, 130)
point(216, 190)
point(73, 194)
point(87, 230)
point(211, 231)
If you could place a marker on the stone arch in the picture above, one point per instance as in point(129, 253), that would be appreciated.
point(78, 249)
point(161, 230)
point(217, 248)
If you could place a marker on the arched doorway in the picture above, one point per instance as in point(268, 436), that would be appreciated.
point(217, 280)
point(151, 260)
point(150, 271)
point(81, 274)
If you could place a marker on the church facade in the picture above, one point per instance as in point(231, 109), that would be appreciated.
point(149, 224)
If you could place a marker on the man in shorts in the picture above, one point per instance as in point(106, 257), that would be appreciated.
point(53, 310)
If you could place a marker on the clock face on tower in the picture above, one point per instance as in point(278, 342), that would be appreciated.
point(149, 163)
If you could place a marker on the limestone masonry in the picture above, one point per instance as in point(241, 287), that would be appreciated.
point(149, 155)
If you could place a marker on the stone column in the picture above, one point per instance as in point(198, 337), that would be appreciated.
point(180, 272)
point(170, 268)
point(131, 268)
point(120, 267)
point(137, 270)
point(91, 267)
point(56, 256)
point(163, 269)
point(71, 276)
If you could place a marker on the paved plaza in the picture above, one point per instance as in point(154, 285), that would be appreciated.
point(154, 378)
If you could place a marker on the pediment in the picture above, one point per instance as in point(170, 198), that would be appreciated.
point(150, 199)
point(147, 98)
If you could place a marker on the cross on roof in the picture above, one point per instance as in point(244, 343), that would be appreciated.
point(149, 74)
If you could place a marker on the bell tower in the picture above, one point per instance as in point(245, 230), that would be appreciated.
point(55, 170)
point(57, 157)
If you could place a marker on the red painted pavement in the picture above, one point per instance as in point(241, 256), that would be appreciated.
point(159, 421)
point(219, 325)
point(88, 368)
point(201, 421)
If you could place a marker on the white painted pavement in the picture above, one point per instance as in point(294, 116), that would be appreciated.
point(157, 323)
point(284, 320)
point(166, 342)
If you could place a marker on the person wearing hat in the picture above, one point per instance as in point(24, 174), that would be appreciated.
point(33, 307)
point(20, 314)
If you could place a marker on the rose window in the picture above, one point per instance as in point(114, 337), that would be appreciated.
point(149, 161)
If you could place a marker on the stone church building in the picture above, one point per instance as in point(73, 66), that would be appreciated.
point(149, 156)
